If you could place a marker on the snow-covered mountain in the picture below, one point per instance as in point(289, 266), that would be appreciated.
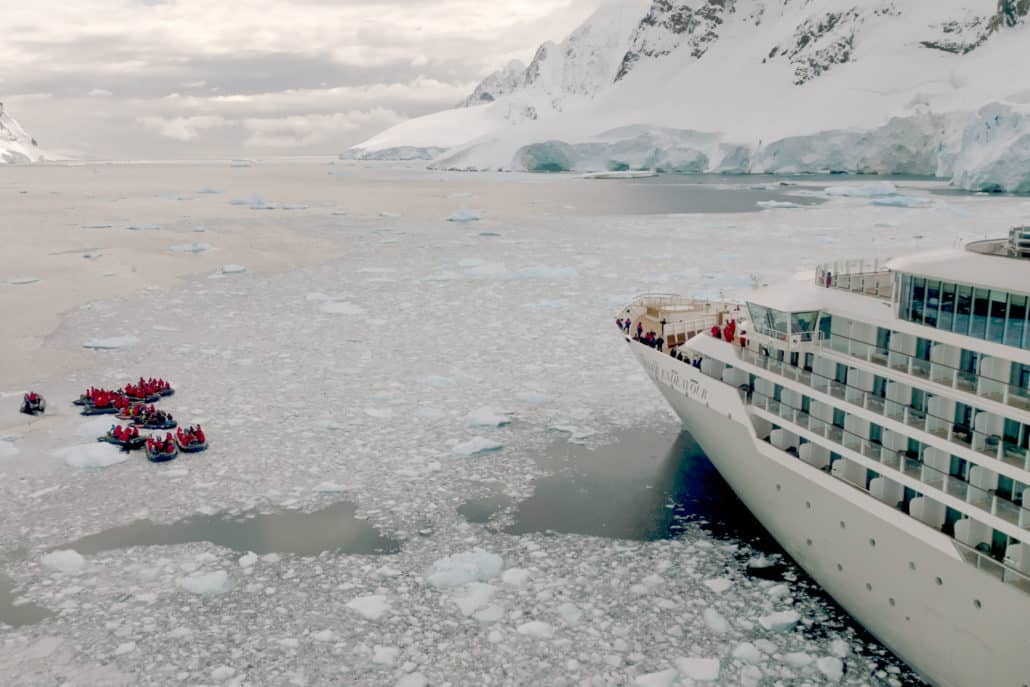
point(934, 87)
point(15, 144)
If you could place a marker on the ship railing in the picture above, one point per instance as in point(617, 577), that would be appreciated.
point(993, 566)
point(915, 469)
point(902, 461)
point(793, 338)
point(958, 433)
point(984, 386)
point(866, 276)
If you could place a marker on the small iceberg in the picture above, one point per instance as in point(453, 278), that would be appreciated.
point(21, 281)
point(880, 188)
point(191, 248)
point(463, 215)
point(623, 174)
point(111, 343)
point(233, 269)
point(771, 204)
point(901, 202)
point(476, 446)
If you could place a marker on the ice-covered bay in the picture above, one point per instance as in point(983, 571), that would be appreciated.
point(269, 372)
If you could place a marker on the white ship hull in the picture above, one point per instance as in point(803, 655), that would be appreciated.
point(903, 581)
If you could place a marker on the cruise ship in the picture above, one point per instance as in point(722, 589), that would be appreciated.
point(875, 417)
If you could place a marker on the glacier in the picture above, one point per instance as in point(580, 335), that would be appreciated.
point(16, 146)
point(753, 87)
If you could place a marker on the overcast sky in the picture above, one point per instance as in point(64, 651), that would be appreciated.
point(139, 79)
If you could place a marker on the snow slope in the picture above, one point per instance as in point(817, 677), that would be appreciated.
point(777, 86)
point(15, 144)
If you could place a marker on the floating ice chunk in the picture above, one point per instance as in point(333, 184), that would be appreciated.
point(372, 607)
point(747, 652)
point(490, 614)
point(438, 382)
point(191, 247)
point(207, 190)
point(533, 398)
point(576, 434)
point(96, 226)
point(317, 297)
point(570, 613)
point(476, 446)
point(774, 204)
point(413, 680)
point(778, 591)
point(465, 567)
point(7, 449)
point(248, 560)
point(839, 648)
point(222, 673)
point(341, 308)
point(700, 669)
point(515, 577)
point(831, 666)
point(663, 678)
point(487, 417)
point(385, 655)
point(112, 343)
point(143, 227)
point(718, 585)
point(798, 659)
point(391, 215)
point(476, 596)
point(233, 269)
point(329, 488)
point(536, 628)
point(20, 281)
point(252, 200)
point(750, 676)
point(715, 621)
point(241, 163)
point(323, 636)
point(464, 215)
point(781, 621)
point(880, 188)
point(65, 560)
point(902, 202)
point(206, 584)
point(379, 413)
point(92, 456)
point(126, 648)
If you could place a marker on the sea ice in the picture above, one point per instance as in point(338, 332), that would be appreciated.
point(191, 247)
point(662, 678)
point(536, 628)
point(372, 607)
point(248, 560)
point(515, 577)
point(126, 648)
point(233, 269)
point(111, 343)
point(715, 621)
point(477, 445)
point(206, 584)
point(798, 659)
point(222, 673)
point(7, 449)
point(65, 560)
point(92, 456)
point(902, 202)
point(718, 584)
point(465, 567)
point(700, 669)
point(474, 597)
point(20, 281)
point(747, 652)
point(831, 666)
point(772, 204)
point(781, 621)
point(879, 188)
point(385, 655)
point(487, 417)
point(463, 215)
point(570, 613)
point(413, 680)
point(341, 308)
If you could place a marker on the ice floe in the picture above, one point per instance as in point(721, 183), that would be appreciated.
point(341, 308)
point(700, 669)
point(212, 583)
point(111, 343)
point(191, 247)
point(464, 215)
point(93, 455)
point(462, 568)
point(781, 621)
point(22, 281)
point(63, 561)
point(476, 446)
point(233, 269)
point(372, 607)
point(487, 417)
point(870, 190)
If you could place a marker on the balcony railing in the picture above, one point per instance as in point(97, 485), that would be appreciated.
point(899, 461)
point(940, 373)
point(961, 434)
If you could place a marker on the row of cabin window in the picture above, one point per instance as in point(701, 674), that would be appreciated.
point(989, 314)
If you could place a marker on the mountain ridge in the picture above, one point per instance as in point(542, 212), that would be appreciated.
point(745, 81)
point(16, 145)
